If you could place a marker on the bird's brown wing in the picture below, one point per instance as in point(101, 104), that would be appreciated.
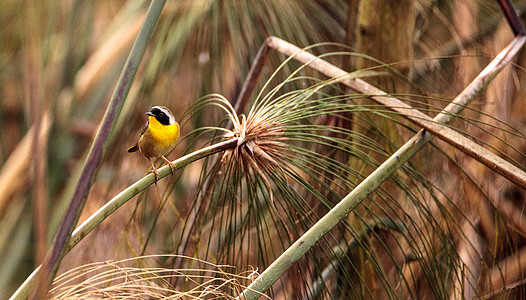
point(136, 146)
point(144, 129)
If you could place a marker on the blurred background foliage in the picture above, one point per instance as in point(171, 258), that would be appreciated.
point(410, 239)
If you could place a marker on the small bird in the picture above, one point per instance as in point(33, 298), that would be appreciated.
point(158, 137)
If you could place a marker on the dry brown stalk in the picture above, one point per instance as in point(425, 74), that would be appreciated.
point(469, 267)
point(447, 134)
point(507, 271)
point(14, 173)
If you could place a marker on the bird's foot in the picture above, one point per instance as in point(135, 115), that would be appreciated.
point(157, 178)
point(172, 166)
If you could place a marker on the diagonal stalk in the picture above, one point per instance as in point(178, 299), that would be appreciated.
point(265, 280)
point(435, 126)
point(512, 17)
point(74, 209)
point(105, 211)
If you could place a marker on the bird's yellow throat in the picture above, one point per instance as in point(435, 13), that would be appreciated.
point(165, 135)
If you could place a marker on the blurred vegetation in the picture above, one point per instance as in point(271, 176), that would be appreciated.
point(442, 227)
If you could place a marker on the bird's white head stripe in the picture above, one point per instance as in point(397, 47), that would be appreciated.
point(166, 112)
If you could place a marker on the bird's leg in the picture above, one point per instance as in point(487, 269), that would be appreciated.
point(172, 166)
point(154, 171)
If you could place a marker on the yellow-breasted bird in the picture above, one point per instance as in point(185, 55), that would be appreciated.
point(158, 137)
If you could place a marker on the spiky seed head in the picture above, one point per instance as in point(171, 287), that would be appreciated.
point(260, 143)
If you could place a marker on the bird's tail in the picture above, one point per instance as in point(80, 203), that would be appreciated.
point(134, 148)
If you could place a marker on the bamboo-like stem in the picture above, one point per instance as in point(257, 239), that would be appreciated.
point(445, 133)
point(334, 216)
point(105, 211)
point(87, 226)
point(380, 224)
point(385, 170)
point(74, 209)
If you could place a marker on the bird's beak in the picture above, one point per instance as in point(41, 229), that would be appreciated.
point(149, 114)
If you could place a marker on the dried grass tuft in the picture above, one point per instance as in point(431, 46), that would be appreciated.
point(142, 278)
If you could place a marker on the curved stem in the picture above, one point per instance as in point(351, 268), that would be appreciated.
point(105, 211)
